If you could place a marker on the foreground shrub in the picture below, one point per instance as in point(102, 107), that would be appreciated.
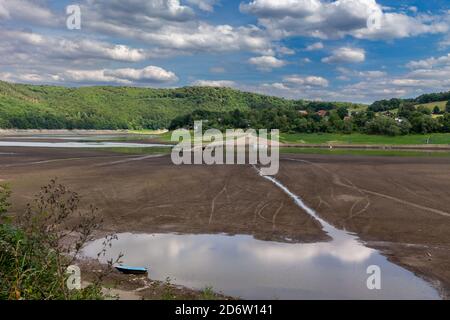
point(37, 247)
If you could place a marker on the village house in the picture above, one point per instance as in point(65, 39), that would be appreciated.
point(322, 113)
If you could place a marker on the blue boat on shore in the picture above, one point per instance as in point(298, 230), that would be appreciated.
point(131, 270)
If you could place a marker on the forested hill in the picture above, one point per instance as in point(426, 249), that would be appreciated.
point(395, 103)
point(50, 107)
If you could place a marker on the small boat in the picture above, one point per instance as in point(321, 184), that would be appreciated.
point(131, 270)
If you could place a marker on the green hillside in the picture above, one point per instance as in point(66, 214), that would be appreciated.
point(50, 107)
point(427, 100)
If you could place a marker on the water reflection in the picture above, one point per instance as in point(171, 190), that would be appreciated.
point(245, 267)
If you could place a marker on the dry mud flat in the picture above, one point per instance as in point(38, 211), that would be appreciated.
point(398, 205)
point(147, 193)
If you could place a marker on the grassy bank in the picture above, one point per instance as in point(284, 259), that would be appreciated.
point(355, 138)
point(357, 152)
point(358, 138)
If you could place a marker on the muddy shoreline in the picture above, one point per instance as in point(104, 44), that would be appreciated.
point(140, 287)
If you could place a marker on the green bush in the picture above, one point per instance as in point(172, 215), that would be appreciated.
point(33, 256)
point(383, 125)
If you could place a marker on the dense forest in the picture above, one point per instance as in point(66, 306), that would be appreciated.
point(50, 107)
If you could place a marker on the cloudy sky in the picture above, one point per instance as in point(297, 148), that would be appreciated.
point(352, 50)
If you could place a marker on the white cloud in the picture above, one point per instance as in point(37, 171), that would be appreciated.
point(67, 48)
point(396, 25)
point(372, 74)
point(282, 8)
point(430, 62)
point(178, 30)
point(285, 51)
point(86, 76)
point(139, 12)
point(28, 11)
point(266, 63)
point(346, 55)
point(194, 37)
point(305, 60)
point(27, 77)
point(346, 74)
point(296, 86)
point(336, 19)
point(4, 11)
point(424, 78)
point(150, 74)
point(296, 80)
point(315, 46)
point(215, 83)
point(128, 76)
point(205, 5)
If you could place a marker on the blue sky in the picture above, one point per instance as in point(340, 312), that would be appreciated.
point(340, 50)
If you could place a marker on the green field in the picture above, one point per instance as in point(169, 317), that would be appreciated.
point(355, 138)
point(353, 152)
point(431, 105)
point(358, 138)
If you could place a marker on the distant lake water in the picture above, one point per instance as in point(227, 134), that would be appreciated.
point(76, 141)
point(79, 144)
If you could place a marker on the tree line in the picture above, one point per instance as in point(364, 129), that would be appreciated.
point(409, 119)
point(105, 107)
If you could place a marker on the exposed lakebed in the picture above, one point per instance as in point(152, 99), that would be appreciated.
point(242, 266)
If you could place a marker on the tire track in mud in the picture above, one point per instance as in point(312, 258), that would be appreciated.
point(337, 180)
point(112, 163)
point(213, 201)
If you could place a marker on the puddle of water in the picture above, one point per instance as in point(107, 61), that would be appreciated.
point(242, 266)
